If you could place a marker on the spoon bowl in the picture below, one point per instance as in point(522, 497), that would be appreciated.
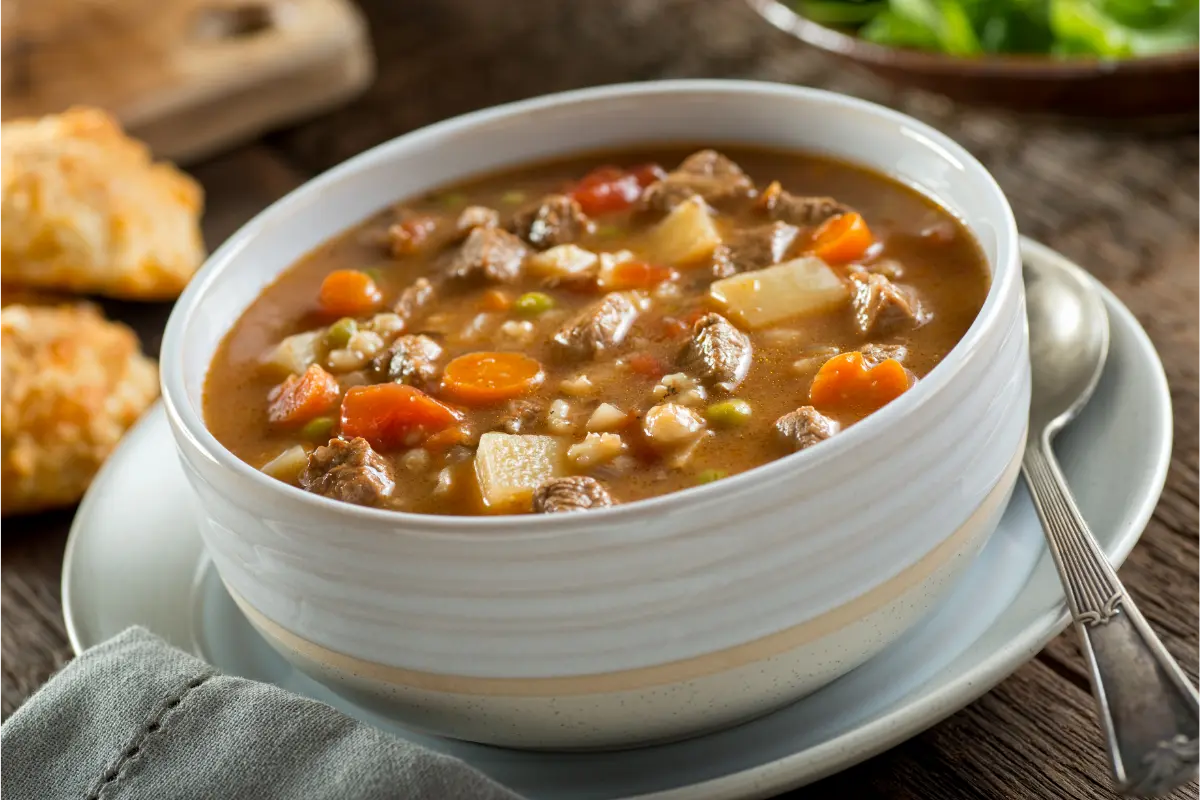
point(1068, 343)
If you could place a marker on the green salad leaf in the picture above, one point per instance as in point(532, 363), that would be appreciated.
point(840, 12)
point(1090, 28)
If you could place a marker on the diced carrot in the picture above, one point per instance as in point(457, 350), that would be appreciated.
point(648, 365)
point(446, 438)
point(637, 275)
point(349, 293)
point(673, 327)
point(301, 398)
point(392, 415)
point(484, 378)
point(845, 383)
point(495, 300)
point(842, 239)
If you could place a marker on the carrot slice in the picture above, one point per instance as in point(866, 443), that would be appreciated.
point(302, 398)
point(480, 379)
point(845, 383)
point(392, 415)
point(842, 239)
point(349, 293)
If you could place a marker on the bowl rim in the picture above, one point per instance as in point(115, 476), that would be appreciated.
point(1011, 65)
point(190, 425)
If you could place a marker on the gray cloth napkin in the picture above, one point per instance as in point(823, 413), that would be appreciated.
point(136, 719)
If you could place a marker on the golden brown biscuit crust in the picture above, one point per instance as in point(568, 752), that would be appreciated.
point(72, 384)
point(86, 210)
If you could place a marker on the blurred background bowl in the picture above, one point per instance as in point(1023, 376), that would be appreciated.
point(1159, 90)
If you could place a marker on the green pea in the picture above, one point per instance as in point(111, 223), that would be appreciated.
point(340, 332)
point(609, 231)
point(375, 273)
point(513, 198)
point(729, 413)
point(452, 199)
point(710, 475)
point(531, 304)
point(317, 429)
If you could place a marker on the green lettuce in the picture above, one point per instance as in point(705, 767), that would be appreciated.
point(1092, 28)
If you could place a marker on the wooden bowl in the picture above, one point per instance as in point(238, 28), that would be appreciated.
point(1153, 90)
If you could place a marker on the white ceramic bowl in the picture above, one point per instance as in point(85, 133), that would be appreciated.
point(654, 620)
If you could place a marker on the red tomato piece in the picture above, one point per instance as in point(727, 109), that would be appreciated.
point(608, 189)
point(646, 174)
point(648, 365)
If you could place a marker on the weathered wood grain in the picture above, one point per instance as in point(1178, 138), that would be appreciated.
point(188, 77)
point(1124, 206)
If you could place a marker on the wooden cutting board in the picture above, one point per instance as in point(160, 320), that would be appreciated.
point(189, 77)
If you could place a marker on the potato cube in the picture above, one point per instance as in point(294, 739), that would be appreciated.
point(596, 448)
point(564, 261)
point(606, 417)
point(510, 466)
point(288, 465)
point(684, 236)
point(295, 353)
point(794, 288)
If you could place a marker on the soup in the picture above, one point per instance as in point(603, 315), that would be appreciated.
point(599, 330)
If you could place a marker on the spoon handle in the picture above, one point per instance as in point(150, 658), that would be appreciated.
point(1147, 706)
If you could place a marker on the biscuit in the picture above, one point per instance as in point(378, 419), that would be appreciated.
point(72, 383)
point(86, 210)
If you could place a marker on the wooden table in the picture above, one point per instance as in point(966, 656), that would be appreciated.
point(1123, 205)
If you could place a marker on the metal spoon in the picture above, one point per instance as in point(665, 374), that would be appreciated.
point(1147, 706)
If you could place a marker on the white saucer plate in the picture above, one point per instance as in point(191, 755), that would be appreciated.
point(135, 558)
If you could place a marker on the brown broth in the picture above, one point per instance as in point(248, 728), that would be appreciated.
point(948, 272)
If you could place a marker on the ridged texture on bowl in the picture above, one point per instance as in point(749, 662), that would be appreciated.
point(649, 583)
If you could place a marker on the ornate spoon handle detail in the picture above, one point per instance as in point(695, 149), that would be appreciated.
point(1147, 706)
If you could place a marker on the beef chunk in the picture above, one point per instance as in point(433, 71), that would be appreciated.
point(602, 326)
point(754, 248)
point(575, 493)
point(718, 353)
point(882, 307)
point(410, 359)
point(557, 220)
point(889, 268)
point(414, 300)
point(875, 353)
point(708, 174)
point(492, 253)
point(349, 471)
point(520, 416)
point(477, 217)
point(803, 211)
point(804, 427)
